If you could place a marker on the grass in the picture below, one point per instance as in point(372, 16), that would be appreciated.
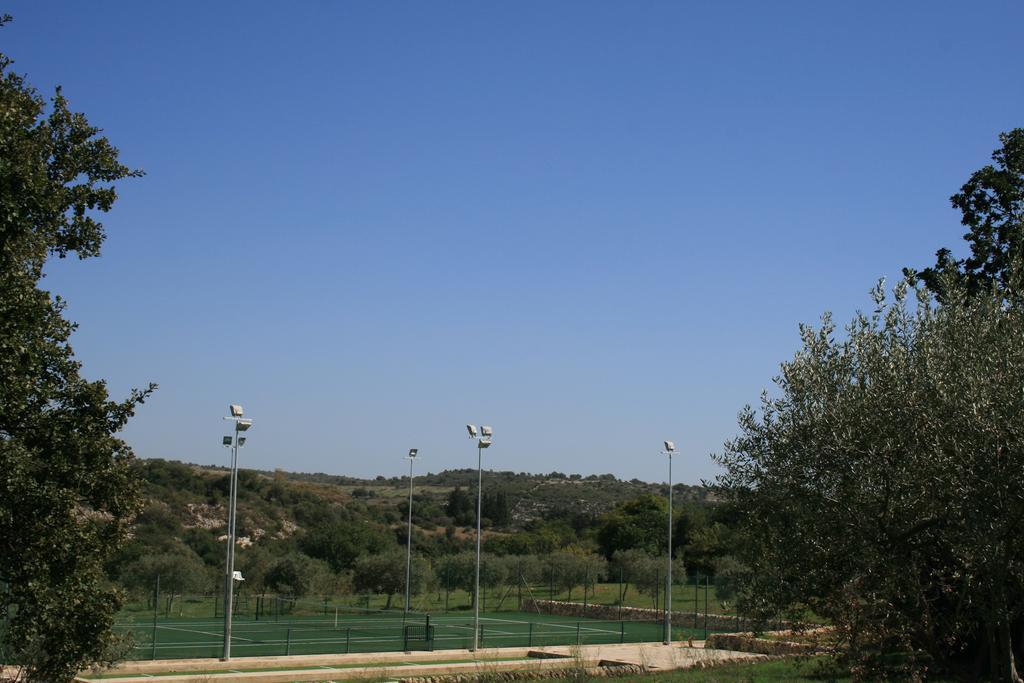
point(816, 670)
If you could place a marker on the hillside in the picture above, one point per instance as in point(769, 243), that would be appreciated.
point(314, 529)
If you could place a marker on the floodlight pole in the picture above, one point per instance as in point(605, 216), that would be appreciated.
point(229, 574)
point(408, 539)
point(483, 442)
point(476, 584)
point(668, 574)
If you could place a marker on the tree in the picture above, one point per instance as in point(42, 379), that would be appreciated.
point(639, 523)
point(180, 571)
point(68, 494)
point(992, 206)
point(296, 575)
point(340, 543)
point(460, 507)
point(646, 572)
point(384, 574)
point(883, 485)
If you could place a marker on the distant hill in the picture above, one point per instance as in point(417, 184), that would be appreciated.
point(535, 496)
point(289, 517)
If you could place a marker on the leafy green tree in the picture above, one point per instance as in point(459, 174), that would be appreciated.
point(384, 574)
point(881, 485)
point(461, 507)
point(296, 575)
point(646, 572)
point(67, 494)
point(640, 523)
point(991, 203)
point(340, 543)
point(180, 570)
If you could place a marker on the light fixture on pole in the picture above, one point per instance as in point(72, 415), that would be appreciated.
point(413, 452)
point(230, 575)
point(670, 448)
point(483, 442)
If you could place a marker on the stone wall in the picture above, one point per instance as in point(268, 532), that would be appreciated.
point(585, 674)
point(714, 622)
point(745, 642)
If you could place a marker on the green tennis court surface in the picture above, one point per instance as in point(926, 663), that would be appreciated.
point(197, 638)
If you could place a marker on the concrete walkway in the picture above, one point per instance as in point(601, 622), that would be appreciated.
point(393, 665)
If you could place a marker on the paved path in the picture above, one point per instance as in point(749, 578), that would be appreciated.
point(392, 665)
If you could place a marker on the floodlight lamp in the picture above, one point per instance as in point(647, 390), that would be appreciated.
point(236, 410)
point(243, 425)
point(237, 576)
point(484, 443)
point(670, 446)
point(472, 431)
point(227, 441)
point(486, 431)
point(413, 452)
point(241, 441)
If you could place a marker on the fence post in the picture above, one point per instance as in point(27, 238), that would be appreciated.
point(288, 643)
point(529, 638)
point(586, 580)
point(622, 632)
point(696, 598)
point(707, 585)
point(156, 605)
point(578, 633)
point(348, 640)
point(519, 586)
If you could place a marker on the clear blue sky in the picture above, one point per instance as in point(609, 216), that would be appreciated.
point(593, 225)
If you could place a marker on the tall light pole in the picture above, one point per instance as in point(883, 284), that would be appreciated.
point(670, 448)
point(241, 425)
point(483, 442)
point(408, 537)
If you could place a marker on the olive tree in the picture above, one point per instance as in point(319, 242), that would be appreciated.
point(882, 483)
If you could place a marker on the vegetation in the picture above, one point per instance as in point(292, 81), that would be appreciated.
point(68, 492)
point(883, 485)
point(303, 538)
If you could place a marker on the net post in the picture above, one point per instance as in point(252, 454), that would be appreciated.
point(578, 633)
point(335, 618)
point(529, 638)
point(622, 632)
point(288, 643)
point(348, 640)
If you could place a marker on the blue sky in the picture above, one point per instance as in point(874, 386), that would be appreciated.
point(593, 225)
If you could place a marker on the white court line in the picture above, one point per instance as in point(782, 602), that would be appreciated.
point(205, 633)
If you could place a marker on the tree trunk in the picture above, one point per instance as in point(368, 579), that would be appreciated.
point(1002, 663)
point(1007, 662)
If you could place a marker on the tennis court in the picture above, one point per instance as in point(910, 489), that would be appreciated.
point(382, 632)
